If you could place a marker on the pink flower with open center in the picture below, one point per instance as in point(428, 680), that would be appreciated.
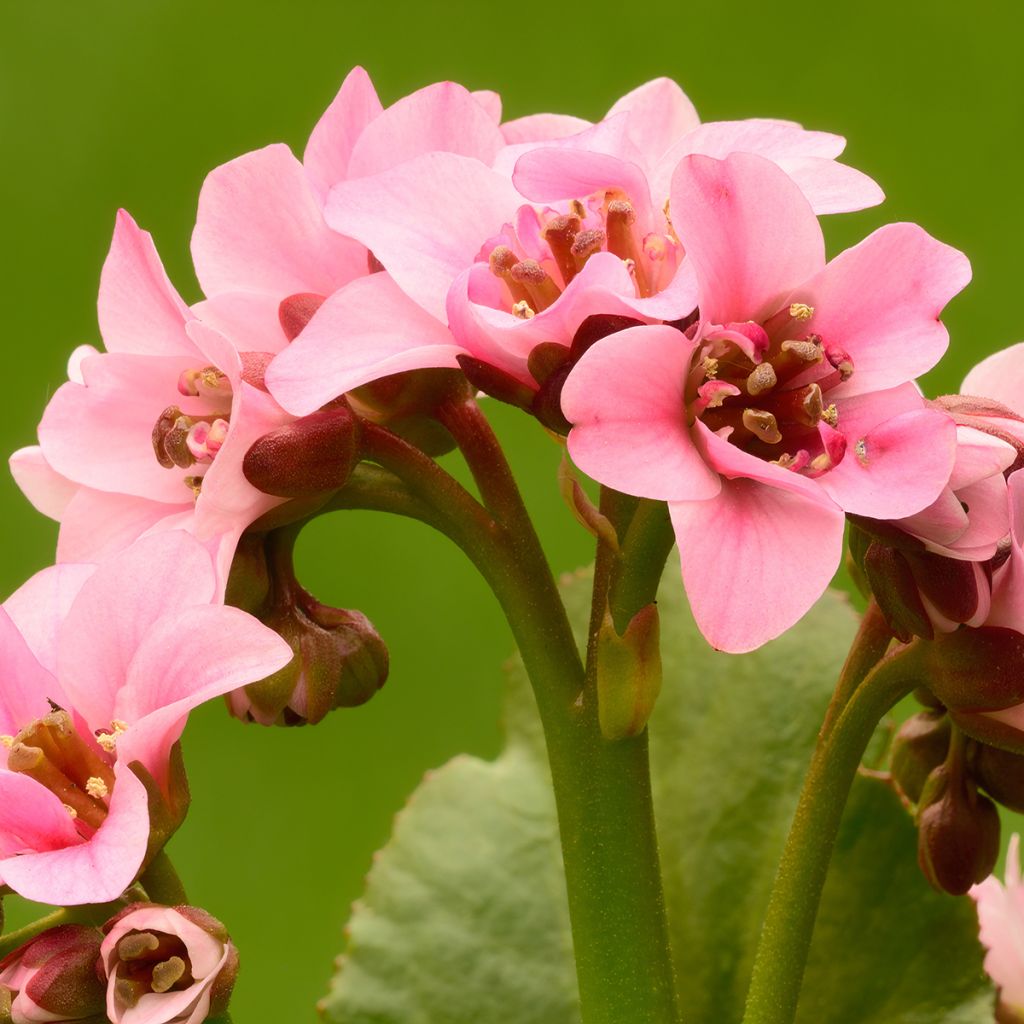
point(101, 667)
point(492, 257)
point(785, 403)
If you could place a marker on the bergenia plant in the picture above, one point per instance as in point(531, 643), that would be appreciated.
point(738, 418)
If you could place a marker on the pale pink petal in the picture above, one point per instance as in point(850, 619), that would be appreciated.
point(897, 461)
point(96, 871)
point(754, 560)
point(47, 490)
point(943, 522)
point(978, 456)
point(260, 228)
point(749, 231)
point(989, 518)
point(330, 144)
point(368, 330)
point(139, 309)
point(1001, 921)
point(542, 128)
point(31, 819)
point(832, 187)
point(1008, 581)
point(880, 301)
point(660, 113)
point(249, 320)
point(118, 606)
point(490, 101)
point(75, 360)
point(999, 376)
point(443, 117)
point(26, 683)
point(425, 220)
point(625, 401)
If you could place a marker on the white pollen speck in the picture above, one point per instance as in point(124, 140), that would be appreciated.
point(72, 813)
point(96, 787)
point(860, 449)
point(108, 741)
point(801, 311)
point(7, 741)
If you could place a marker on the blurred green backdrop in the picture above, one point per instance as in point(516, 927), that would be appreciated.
point(112, 103)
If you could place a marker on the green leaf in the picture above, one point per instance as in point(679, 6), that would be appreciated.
point(464, 920)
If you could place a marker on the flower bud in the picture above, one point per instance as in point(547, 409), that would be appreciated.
point(1000, 773)
point(975, 670)
point(958, 832)
point(310, 456)
point(340, 660)
point(54, 977)
point(919, 748)
point(177, 962)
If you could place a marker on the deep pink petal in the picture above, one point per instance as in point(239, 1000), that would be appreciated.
point(330, 144)
point(999, 376)
point(47, 490)
point(754, 560)
point(425, 220)
point(749, 231)
point(139, 309)
point(443, 117)
point(660, 113)
point(880, 301)
point(96, 871)
point(260, 228)
point(542, 128)
point(367, 330)
point(31, 819)
point(625, 401)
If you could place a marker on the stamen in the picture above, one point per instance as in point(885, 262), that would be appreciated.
point(170, 439)
point(560, 233)
point(534, 279)
point(710, 367)
point(762, 425)
point(794, 462)
point(713, 393)
point(841, 360)
point(586, 244)
point(577, 209)
point(194, 484)
point(761, 379)
point(803, 406)
point(501, 262)
point(136, 945)
point(831, 415)
point(168, 973)
point(801, 311)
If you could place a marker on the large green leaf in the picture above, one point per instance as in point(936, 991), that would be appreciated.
point(464, 919)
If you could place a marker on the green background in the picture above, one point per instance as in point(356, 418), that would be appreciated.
point(129, 103)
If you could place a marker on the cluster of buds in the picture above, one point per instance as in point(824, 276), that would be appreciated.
point(340, 660)
point(149, 964)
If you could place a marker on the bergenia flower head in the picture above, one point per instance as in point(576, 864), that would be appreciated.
point(101, 667)
point(488, 258)
point(784, 402)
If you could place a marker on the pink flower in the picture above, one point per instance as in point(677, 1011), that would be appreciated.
point(472, 268)
point(786, 403)
point(101, 667)
point(1001, 921)
point(55, 977)
point(167, 965)
point(153, 431)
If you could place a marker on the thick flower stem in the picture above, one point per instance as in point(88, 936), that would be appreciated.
point(602, 788)
point(793, 906)
point(161, 882)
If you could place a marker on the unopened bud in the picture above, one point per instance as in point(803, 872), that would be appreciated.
point(313, 455)
point(180, 960)
point(958, 832)
point(496, 383)
point(54, 977)
point(918, 749)
point(1000, 773)
point(892, 582)
point(973, 670)
point(296, 311)
point(628, 673)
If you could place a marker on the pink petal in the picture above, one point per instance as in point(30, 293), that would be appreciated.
point(880, 301)
point(897, 460)
point(48, 491)
point(978, 456)
point(660, 113)
point(439, 118)
point(490, 101)
point(96, 871)
point(115, 610)
point(999, 376)
point(625, 401)
point(1008, 581)
point(31, 819)
point(260, 228)
point(832, 187)
point(367, 330)
point(330, 145)
point(754, 560)
point(542, 128)
point(26, 683)
point(425, 220)
point(989, 518)
point(249, 319)
point(749, 231)
point(139, 309)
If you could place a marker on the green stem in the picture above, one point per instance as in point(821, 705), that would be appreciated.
point(12, 940)
point(793, 906)
point(602, 789)
point(645, 549)
point(161, 882)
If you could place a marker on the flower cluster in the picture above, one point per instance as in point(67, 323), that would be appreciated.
point(653, 290)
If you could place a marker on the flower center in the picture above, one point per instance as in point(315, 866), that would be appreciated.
point(539, 256)
point(51, 751)
point(767, 385)
point(185, 439)
point(151, 962)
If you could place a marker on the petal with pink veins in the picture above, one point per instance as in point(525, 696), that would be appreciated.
point(425, 220)
point(443, 117)
point(626, 403)
point(260, 228)
point(331, 142)
point(139, 309)
point(880, 301)
point(365, 331)
point(999, 376)
point(754, 559)
point(749, 231)
point(47, 490)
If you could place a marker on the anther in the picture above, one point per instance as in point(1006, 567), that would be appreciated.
point(831, 415)
point(97, 788)
point(502, 260)
point(841, 360)
point(586, 244)
point(534, 279)
point(194, 484)
point(523, 310)
point(560, 233)
point(801, 311)
point(710, 367)
point(761, 379)
point(577, 209)
point(762, 425)
point(136, 945)
point(170, 439)
point(168, 974)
